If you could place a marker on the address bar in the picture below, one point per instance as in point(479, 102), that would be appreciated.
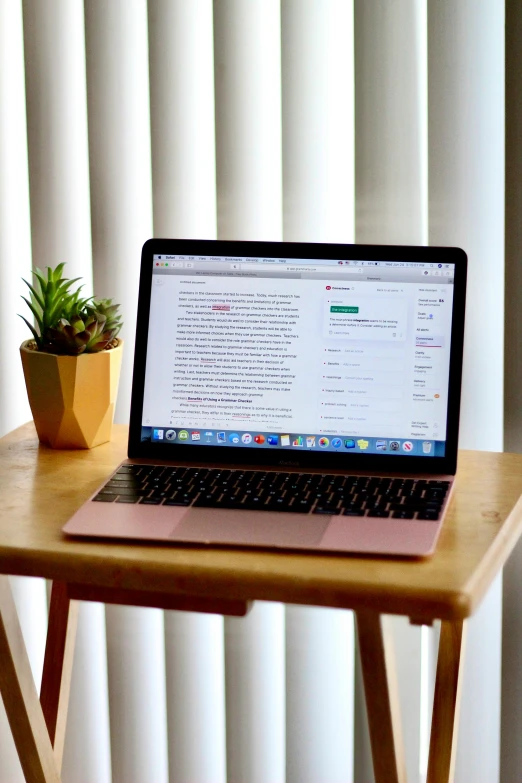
point(298, 268)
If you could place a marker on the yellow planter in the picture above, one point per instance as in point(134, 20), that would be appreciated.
point(72, 398)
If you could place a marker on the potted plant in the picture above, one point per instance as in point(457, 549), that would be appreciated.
point(72, 364)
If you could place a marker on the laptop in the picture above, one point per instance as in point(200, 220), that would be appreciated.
point(290, 396)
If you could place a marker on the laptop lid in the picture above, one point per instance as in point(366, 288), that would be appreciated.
point(294, 355)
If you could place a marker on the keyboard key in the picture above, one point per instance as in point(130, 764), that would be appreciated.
point(353, 512)
point(431, 515)
point(302, 506)
point(327, 510)
point(105, 497)
point(254, 503)
point(150, 501)
point(207, 499)
point(433, 506)
point(379, 513)
point(376, 503)
point(405, 514)
point(233, 502)
point(435, 494)
point(159, 496)
point(119, 485)
point(280, 503)
point(127, 499)
point(412, 505)
point(354, 504)
point(126, 491)
point(391, 497)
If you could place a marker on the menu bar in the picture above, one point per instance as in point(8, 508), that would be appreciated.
point(295, 264)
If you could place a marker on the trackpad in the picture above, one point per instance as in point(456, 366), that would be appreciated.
point(261, 528)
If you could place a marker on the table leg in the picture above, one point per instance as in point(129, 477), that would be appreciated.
point(382, 698)
point(58, 661)
point(20, 697)
point(446, 703)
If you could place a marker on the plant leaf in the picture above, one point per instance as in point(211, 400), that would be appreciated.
point(35, 293)
point(35, 312)
point(33, 330)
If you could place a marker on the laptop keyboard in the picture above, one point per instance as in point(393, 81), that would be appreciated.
point(302, 493)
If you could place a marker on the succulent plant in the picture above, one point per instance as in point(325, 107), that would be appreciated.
point(68, 324)
point(106, 308)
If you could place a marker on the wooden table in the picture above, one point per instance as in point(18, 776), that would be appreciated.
point(40, 488)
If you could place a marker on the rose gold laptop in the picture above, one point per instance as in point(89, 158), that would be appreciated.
point(294, 396)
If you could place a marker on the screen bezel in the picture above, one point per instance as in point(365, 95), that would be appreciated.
point(281, 458)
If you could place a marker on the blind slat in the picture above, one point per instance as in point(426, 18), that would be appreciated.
point(15, 228)
point(181, 53)
point(318, 198)
point(54, 45)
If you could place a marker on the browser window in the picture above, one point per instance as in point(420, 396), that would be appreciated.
point(299, 354)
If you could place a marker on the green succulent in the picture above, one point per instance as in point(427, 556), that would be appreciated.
point(67, 323)
point(81, 335)
point(106, 308)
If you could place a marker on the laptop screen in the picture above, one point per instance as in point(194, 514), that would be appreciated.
point(313, 354)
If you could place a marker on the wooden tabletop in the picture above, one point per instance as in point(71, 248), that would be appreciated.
point(40, 488)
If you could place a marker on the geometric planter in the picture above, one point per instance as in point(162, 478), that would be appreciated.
point(72, 398)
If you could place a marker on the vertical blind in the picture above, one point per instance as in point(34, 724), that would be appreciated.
point(302, 120)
